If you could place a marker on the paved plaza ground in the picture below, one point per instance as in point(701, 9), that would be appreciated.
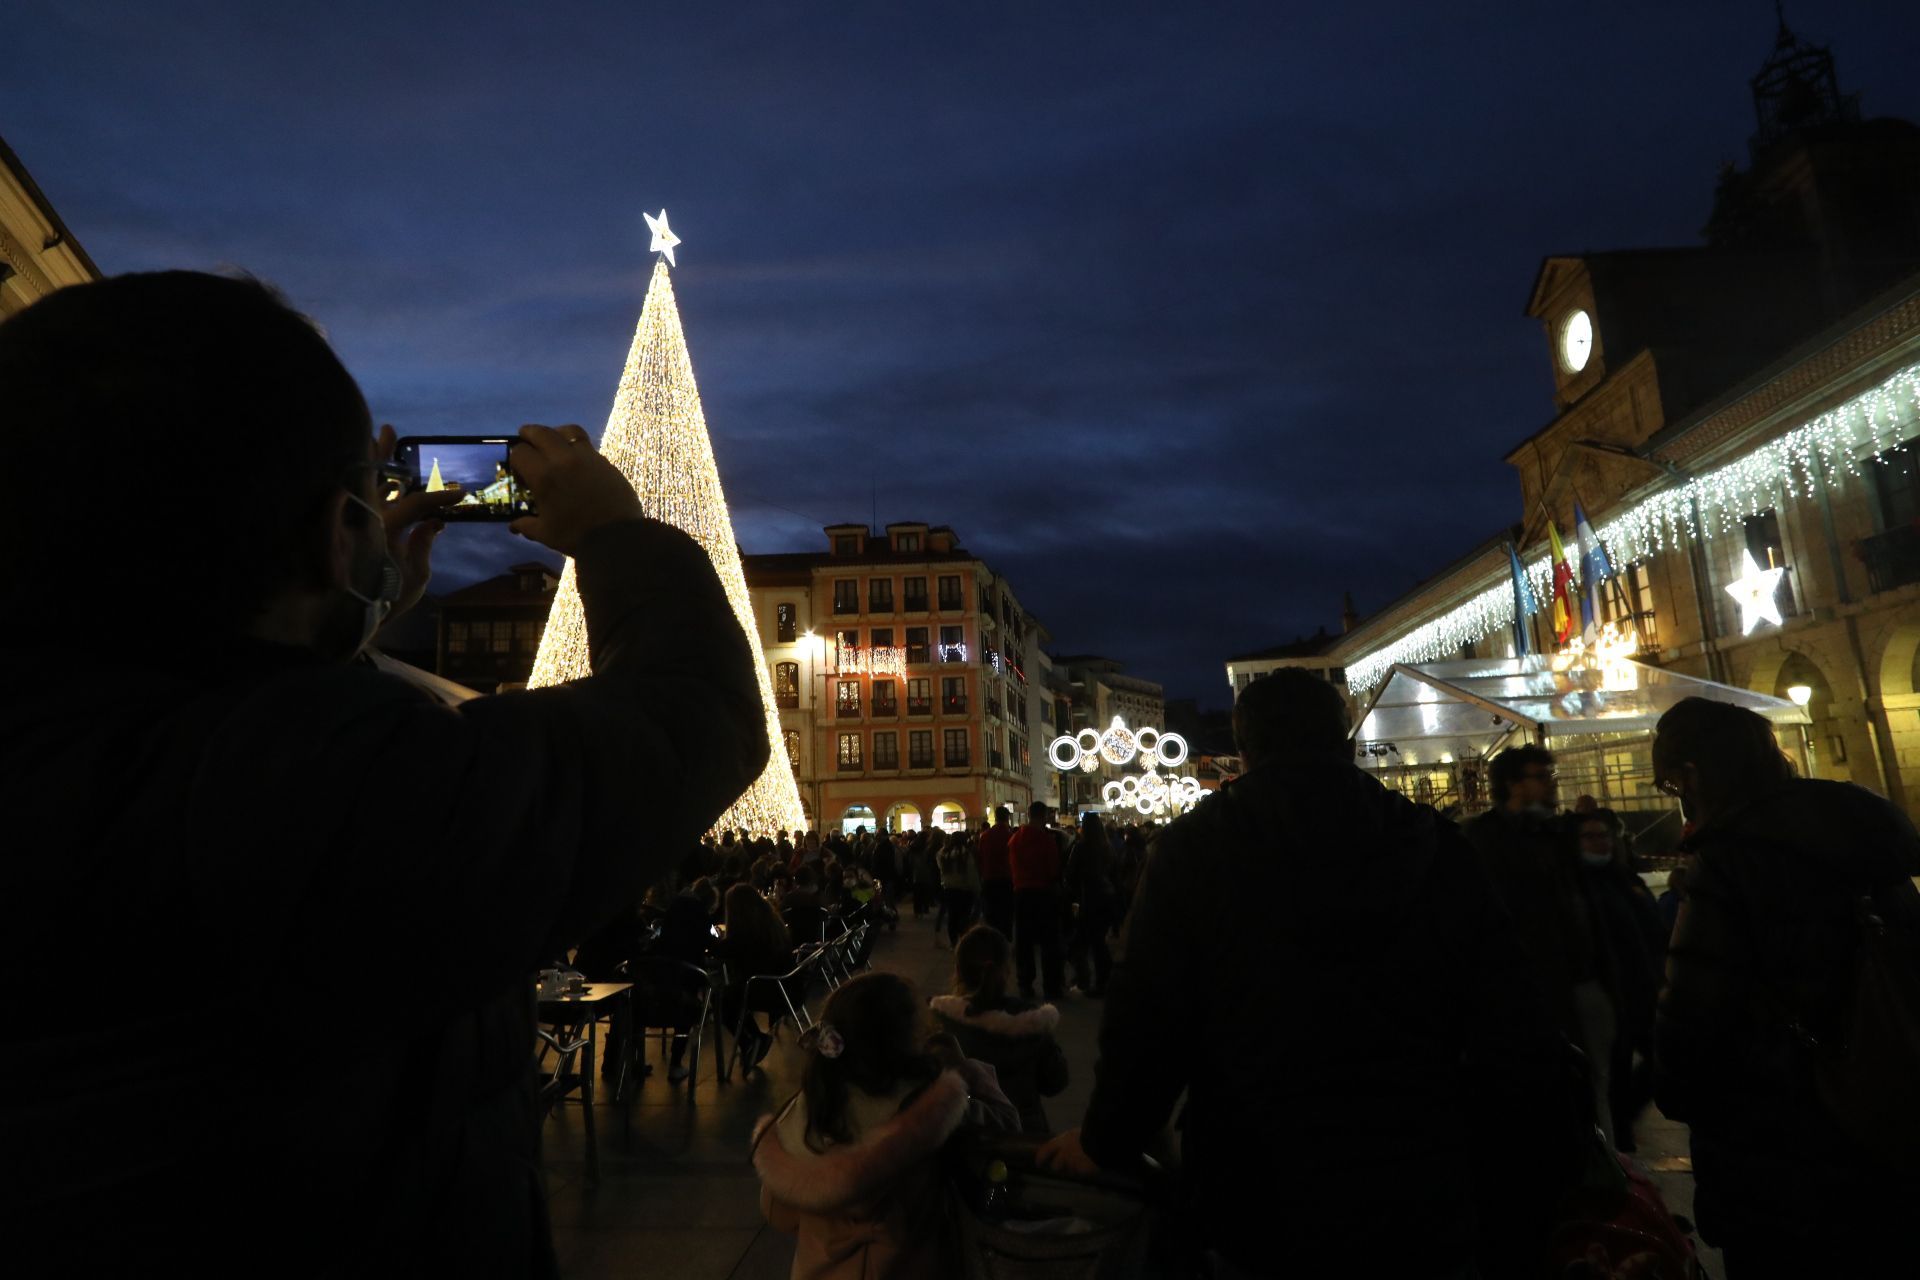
point(680, 1201)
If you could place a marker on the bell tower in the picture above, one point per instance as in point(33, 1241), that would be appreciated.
point(1797, 88)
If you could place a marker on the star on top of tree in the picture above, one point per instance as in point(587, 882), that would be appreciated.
point(663, 237)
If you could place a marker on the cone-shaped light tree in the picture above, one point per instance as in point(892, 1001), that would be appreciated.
point(657, 436)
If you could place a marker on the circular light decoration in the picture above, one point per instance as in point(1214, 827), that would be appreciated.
point(1117, 746)
point(1065, 753)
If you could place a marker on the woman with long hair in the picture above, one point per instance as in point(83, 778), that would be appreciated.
point(756, 945)
point(850, 1165)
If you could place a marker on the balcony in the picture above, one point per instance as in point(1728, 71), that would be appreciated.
point(957, 761)
point(952, 603)
point(1892, 558)
point(954, 704)
point(920, 707)
point(850, 766)
point(914, 603)
point(847, 710)
point(843, 605)
point(787, 700)
point(996, 759)
point(919, 760)
point(993, 708)
point(886, 707)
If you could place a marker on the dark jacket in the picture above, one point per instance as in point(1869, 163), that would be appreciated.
point(1320, 964)
point(1017, 1041)
point(1765, 937)
point(1631, 933)
point(328, 895)
point(1089, 875)
point(1530, 863)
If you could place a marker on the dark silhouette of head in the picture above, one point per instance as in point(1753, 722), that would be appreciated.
point(1521, 776)
point(981, 965)
point(882, 1028)
point(1290, 715)
point(1715, 756)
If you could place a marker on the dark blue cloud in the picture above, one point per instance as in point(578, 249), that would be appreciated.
point(1188, 316)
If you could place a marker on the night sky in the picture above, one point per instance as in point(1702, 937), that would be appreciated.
point(1187, 316)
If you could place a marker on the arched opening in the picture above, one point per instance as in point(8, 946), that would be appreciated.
point(903, 817)
point(1800, 677)
point(949, 816)
point(857, 818)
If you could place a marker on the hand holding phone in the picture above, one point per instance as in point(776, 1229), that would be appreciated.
point(580, 491)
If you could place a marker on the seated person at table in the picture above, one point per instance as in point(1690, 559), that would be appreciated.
point(756, 945)
point(356, 880)
point(802, 909)
point(1012, 1035)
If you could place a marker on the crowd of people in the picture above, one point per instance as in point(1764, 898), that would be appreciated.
point(275, 852)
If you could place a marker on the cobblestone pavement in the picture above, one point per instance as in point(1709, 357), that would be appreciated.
point(677, 1199)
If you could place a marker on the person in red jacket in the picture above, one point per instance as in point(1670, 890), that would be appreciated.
point(996, 872)
point(1034, 853)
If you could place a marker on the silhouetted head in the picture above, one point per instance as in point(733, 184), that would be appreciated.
point(1523, 778)
point(1290, 714)
point(1714, 757)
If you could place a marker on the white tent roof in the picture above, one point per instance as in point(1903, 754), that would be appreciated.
point(1467, 706)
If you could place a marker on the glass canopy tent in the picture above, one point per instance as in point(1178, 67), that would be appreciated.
point(1430, 717)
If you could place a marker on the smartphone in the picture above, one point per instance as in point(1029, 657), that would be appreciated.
point(477, 466)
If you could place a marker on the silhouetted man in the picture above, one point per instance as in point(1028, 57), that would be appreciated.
point(1038, 866)
point(996, 872)
point(308, 1049)
point(1317, 963)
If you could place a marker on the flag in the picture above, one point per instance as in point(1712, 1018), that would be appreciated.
point(1524, 605)
point(1594, 570)
point(1562, 607)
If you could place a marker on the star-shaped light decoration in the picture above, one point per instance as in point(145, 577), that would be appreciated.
point(1753, 592)
point(663, 237)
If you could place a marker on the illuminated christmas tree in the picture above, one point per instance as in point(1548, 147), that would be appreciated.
point(657, 436)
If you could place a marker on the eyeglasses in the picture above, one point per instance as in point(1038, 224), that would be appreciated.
point(1668, 786)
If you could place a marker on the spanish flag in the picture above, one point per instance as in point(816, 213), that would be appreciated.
point(1562, 610)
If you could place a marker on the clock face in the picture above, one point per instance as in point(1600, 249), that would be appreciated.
point(1576, 341)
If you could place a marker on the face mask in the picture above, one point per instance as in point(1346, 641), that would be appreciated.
point(376, 607)
point(1595, 859)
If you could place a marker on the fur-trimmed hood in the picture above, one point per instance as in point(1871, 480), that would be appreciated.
point(859, 1172)
point(1040, 1020)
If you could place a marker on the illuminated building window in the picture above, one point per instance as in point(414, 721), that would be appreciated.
point(920, 697)
point(849, 751)
point(915, 593)
point(953, 644)
point(846, 698)
point(792, 739)
point(456, 637)
point(920, 749)
point(786, 623)
point(786, 684)
point(846, 595)
point(917, 647)
point(950, 597)
point(503, 637)
point(526, 636)
point(956, 748)
point(886, 750)
point(880, 595)
point(883, 699)
point(953, 694)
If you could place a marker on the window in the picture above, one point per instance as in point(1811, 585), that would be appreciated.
point(1640, 597)
point(792, 739)
point(956, 748)
point(880, 595)
point(953, 694)
point(917, 645)
point(883, 637)
point(906, 542)
point(915, 590)
point(786, 684)
point(785, 621)
point(1046, 712)
point(953, 644)
point(919, 748)
point(846, 698)
point(920, 697)
point(456, 637)
point(883, 702)
point(846, 595)
point(849, 752)
point(886, 750)
point(846, 650)
point(950, 592)
point(846, 544)
point(1769, 552)
point(502, 637)
point(1896, 483)
point(526, 636)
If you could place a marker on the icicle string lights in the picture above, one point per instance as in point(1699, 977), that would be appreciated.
point(1830, 448)
point(657, 436)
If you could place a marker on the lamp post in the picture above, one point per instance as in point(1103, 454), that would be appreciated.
point(1800, 695)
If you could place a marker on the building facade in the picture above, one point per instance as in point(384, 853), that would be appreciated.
point(489, 632)
point(1091, 692)
point(37, 252)
point(904, 671)
point(1738, 419)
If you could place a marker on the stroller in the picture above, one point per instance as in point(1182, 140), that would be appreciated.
point(1015, 1221)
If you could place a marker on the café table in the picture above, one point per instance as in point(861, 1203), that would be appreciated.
point(586, 1007)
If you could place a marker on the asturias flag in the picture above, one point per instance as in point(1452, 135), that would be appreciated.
point(1594, 570)
point(1562, 609)
point(1524, 605)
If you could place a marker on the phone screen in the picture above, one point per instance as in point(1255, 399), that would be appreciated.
point(476, 466)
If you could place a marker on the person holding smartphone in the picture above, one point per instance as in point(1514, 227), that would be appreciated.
point(307, 1051)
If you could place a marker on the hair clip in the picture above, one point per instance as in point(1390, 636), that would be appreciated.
point(825, 1040)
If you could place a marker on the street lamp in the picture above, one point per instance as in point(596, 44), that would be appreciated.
point(1800, 694)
